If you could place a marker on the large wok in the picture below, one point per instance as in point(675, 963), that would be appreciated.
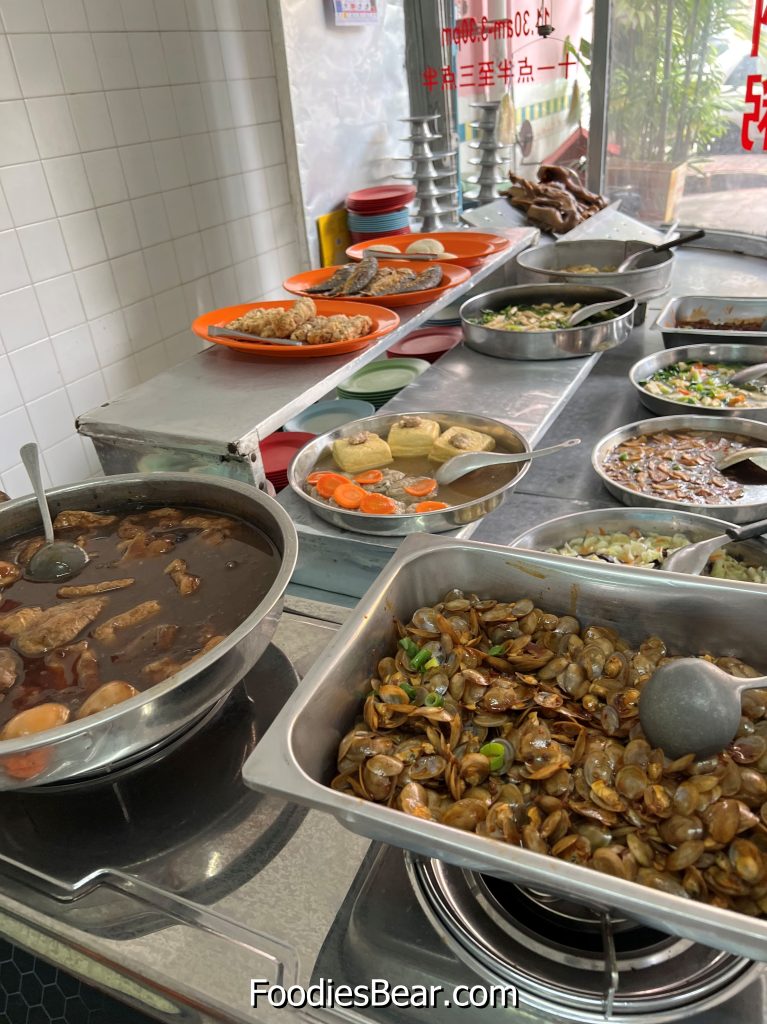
point(144, 721)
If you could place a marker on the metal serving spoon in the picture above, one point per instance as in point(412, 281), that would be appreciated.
point(630, 261)
point(742, 455)
point(689, 706)
point(692, 558)
point(751, 372)
point(460, 465)
point(56, 560)
point(596, 307)
point(222, 332)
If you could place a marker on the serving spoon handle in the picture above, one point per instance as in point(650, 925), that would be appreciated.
point(460, 465)
point(30, 456)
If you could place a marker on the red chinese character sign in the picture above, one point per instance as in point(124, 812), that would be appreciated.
point(755, 115)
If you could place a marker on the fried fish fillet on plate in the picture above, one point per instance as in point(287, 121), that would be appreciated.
point(322, 330)
point(278, 322)
point(336, 280)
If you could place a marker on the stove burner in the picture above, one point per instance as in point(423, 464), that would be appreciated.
point(572, 961)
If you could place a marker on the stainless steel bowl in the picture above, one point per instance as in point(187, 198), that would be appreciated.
point(714, 353)
point(545, 263)
point(567, 343)
point(556, 532)
point(163, 710)
point(752, 507)
point(714, 308)
point(506, 438)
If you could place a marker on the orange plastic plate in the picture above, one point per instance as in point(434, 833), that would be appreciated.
point(451, 276)
point(469, 248)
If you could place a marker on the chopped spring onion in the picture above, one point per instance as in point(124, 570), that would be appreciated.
point(498, 649)
point(408, 647)
point(418, 661)
point(434, 700)
point(409, 690)
point(496, 754)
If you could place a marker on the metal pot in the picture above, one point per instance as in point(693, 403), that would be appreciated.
point(565, 343)
point(86, 746)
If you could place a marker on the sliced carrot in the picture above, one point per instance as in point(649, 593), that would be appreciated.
point(314, 477)
point(420, 488)
point(328, 482)
point(348, 495)
point(373, 476)
point(430, 506)
point(378, 505)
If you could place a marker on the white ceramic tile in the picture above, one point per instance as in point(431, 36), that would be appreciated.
point(52, 126)
point(228, 15)
point(265, 99)
point(198, 154)
point(17, 143)
point(171, 15)
point(190, 257)
point(207, 55)
point(60, 303)
point(110, 338)
point(201, 14)
point(179, 205)
point(23, 16)
point(9, 83)
point(66, 15)
point(151, 220)
point(139, 15)
point(170, 163)
point(289, 259)
point(140, 169)
point(13, 269)
point(67, 462)
point(119, 229)
point(36, 370)
point(199, 297)
point(10, 396)
point(143, 325)
point(27, 193)
point(83, 239)
point(162, 267)
point(68, 184)
point(284, 221)
point(16, 482)
point(6, 221)
point(218, 108)
point(241, 239)
point(104, 15)
point(224, 287)
point(52, 418)
point(277, 185)
point(115, 60)
point(44, 250)
point(87, 393)
point(215, 243)
point(190, 109)
point(255, 191)
point(105, 175)
point(92, 122)
point(151, 361)
point(225, 152)
point(159, 112)
point(148, 58)
point(269, 271)
point(249, 146)
point(127, 114)
point(97, 289)
point(179, 57)
point(233, 196)
point(247, 54)
point(131, 277)
point(254, 14)
point(171, 311)
point(121, 376)
point(15, 430)
point(36, 64)
point(21, 321)
point(179, 347)
point(272, 145)
point(248, 280)
point(243, 102)
point(75, 353)
point(207, 203)
point(263, 232)
point(77, 60)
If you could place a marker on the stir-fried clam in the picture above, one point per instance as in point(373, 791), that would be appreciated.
point(521, 725)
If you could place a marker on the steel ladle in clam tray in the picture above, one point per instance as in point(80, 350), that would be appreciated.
point(689, 706)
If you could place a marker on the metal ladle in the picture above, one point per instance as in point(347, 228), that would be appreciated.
point(56, 560)
point(750, 372)
point(585, 312)
point(689, 706)
point(742, 455)
point(692, 558)
point(460, 465)
point(630, 262)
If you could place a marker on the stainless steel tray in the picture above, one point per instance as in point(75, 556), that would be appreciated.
point(565, 343)
point(297, 756)
point(454, 517)
point(711, 308)
point(555, 532)
point(751, 507)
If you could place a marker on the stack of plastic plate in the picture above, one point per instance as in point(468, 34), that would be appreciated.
point(376, 212)
point(428, 343)
point(324, 416)
point(379, 382)
point(277, 451)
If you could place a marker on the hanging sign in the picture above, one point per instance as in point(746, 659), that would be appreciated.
point(356, 12)
point(756, 87)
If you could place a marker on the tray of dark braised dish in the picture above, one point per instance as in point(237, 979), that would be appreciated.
point(692, 319)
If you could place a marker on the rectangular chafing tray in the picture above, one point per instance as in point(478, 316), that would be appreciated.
point(715, 308)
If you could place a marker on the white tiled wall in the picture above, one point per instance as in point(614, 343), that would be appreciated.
point(142, 181)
